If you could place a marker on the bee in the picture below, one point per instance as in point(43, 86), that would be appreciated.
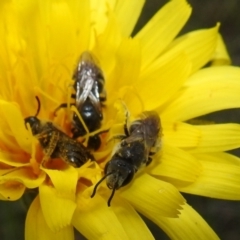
point(55, 143)
point(133, 152)
point(89, 97)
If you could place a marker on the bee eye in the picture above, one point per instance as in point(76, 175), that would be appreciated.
point(106, 168)
point(133, 127)
point(129, 177)
point(33, 122)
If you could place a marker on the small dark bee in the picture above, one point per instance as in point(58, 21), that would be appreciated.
point(134, 151)
point(55, 143)
point(89, 97)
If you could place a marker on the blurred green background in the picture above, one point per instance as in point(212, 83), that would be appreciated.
point(222, 216)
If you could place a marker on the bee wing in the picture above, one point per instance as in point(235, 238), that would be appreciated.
point(151, 127)
point(134, 138)
point(83, 90)
point(96, 103)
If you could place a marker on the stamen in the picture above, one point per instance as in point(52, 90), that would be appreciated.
point(13, 170)
point(98, 132)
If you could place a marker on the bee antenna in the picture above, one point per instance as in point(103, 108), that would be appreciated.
point(99, 182)
point(39, 106)
point(112, 194)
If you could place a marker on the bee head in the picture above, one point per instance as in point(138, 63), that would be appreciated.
point(119, 173)
point(33, 121)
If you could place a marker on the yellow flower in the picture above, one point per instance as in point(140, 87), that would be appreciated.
point(39, 45)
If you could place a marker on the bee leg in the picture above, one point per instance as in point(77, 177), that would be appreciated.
point(50, 148)
point(102, 104)
point(63, 105)
point(94, 142)
point(152, 153)
point(45, 160)
point(154, 150)
point(125, 125)
point(126, 130)
point(102, 99)
point(103, 131)
point(148, 161)
point(103, 96)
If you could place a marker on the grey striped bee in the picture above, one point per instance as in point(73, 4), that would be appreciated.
point(88, 98)
point(133, 152)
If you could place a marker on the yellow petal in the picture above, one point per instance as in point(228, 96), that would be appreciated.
point(10, 36)
point(162, 28)
point(177, 164)
point(221, 56)
point(62, 194)
point(127, 66)
point(57, 210)
point(102, 154)
point(68, 187)
point(127, 14)
point(24, 176)
point(209, 90)
point(180, 134)
point(100, 13)
point(154, 196)
point(44, 53)
point(217, 138)
point(6, 141)
point(81, 20)
point(106, 47)
point(217, 180)
point(189, 225)
point(130, 220)
point(58, 23)
point(95, 220)
point(198, 45)
point(11, 114)
point(218, 157)
point(14, 159)
point(36, 227)
point(164, 82)
point(11, 191)
point(132, 100)
point(90, 170)
point(35, 40)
